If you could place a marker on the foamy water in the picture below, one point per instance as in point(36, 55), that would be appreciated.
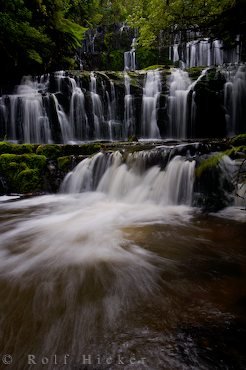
point(91, 274)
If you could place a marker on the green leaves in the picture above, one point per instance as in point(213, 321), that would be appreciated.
point(150, 17)
point(35, 34)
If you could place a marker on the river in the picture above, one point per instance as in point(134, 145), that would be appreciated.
point(91, 281)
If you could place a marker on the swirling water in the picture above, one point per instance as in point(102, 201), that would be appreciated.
point(112, 279)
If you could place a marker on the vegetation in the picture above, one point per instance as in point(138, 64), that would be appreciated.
point(153, 16)
point(207, 169)
point(39, 35)
point(42, 35)
point(22, 173)
point(29, 168)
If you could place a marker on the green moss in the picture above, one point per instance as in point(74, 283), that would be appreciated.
point(214, 160)
point(12, 165)
point(51, 151)
point(34, 161)
point(239, 140)
point(64, 163)
point(5, 159)
point(194, 72)
point(6, 147)
point(29, 181)
point(88, 149)
point(84, 149)
point(156, 66)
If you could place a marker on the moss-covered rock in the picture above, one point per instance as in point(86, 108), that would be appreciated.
point(194, 72)
point(50, 151)
point(84, 149)
point(238, 140)
point(157, 66)
point(65, 163)
point(8, 148)
point(29, 181)
point(12, 165)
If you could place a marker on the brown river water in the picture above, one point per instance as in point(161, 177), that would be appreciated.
point(88, 282)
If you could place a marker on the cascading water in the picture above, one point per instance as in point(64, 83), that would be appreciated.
point(129, 119)
point(108, 174)
point(26, 107)
point(130, 58)
point(97, 109)
point(151, 94)
point(179, 90)
point(203, 52)
point(181, 109)
point(114, 126)
point(77, 116)
point(235, 98)
point(62, 109)
point(110, 268)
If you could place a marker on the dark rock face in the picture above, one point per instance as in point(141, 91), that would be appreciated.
point(210, 115)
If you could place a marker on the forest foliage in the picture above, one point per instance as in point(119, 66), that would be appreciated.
point(42, 35)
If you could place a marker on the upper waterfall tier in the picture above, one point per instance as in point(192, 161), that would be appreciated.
point(203, 52)
point(72, 108)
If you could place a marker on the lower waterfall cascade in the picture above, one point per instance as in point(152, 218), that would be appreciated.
point(61, 108)
point(164, 175)
point(131, 181)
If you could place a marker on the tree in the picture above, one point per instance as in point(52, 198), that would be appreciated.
point(150, 17)
point(37, 36)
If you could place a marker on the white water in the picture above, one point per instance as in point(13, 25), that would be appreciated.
point(57, 108)
point(108, 174)
point(235, 98)
point(77, 116)
point(114, 125)
point(150, 101)
point(97, 109)
point(130, 58)
point(73, 254)
point(113, 264)
point(129, 119)
point(203, 52)
point(27, 106)
point(180, 110)
point(178, 93)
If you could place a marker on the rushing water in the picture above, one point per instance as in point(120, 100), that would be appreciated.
point(151, 94)
point(203, 52)
point(130, 58)
point(103, 106)
point(120, 272)
point(93, 277)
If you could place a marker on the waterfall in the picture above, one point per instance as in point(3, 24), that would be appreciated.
point(235, 98)
point(97, 109)
point(177, 107)
point(87, 174)
point(132, 182)
point(181, 110)
point(78, 117)
point(113, 124)
point(129, 119)
point(130, 58)
point(204, 52)
point(62, 109)
point(151, 94)
point(26, 108)
point(63, 122)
